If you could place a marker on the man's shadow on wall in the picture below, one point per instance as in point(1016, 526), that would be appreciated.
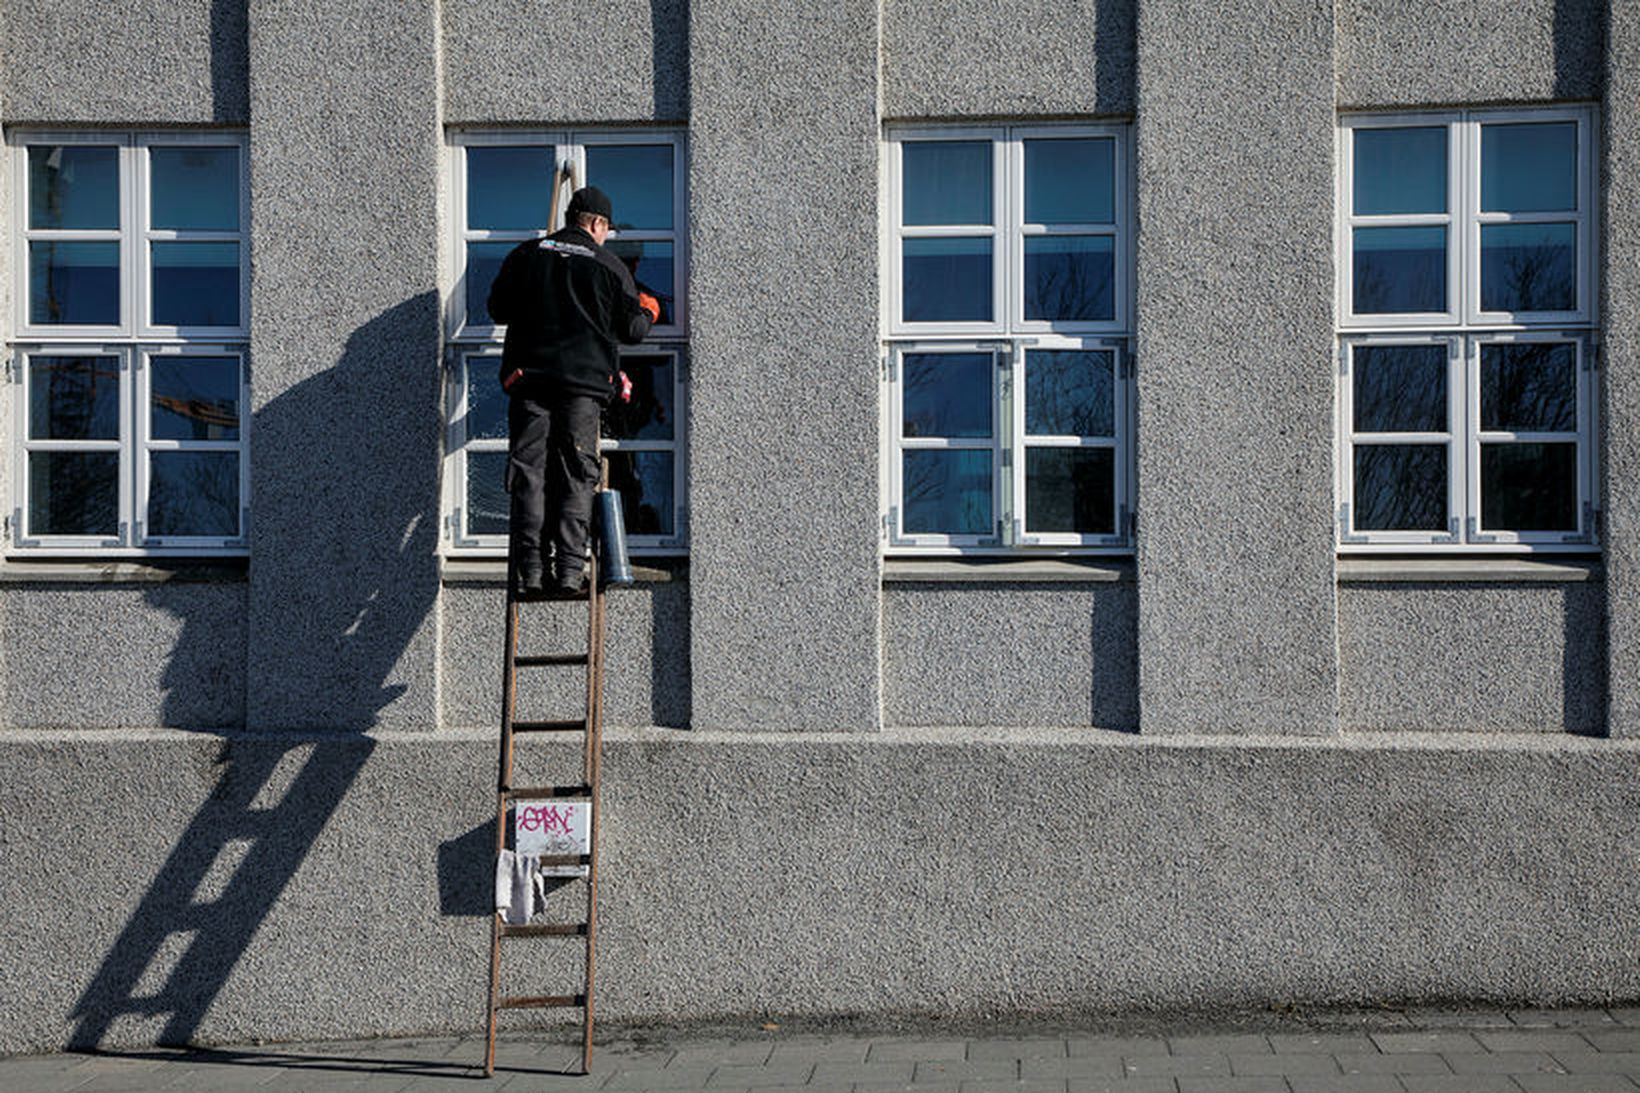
point(275, 791)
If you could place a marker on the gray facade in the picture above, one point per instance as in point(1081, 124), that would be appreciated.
point(1230, 767)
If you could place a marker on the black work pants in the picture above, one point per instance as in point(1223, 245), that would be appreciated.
point(552, 474)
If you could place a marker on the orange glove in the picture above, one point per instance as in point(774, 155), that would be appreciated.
point(651, 305)
point(512, 377)
point(626, 386)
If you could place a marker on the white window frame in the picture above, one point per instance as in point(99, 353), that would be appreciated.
point(1464, 219)
point(997, 444)
point(1008, 338)
point(134, 342)
point(570, 155)
point(477, 363)
point(476, 339)
point(1475, 532)
point(1465, 328)
point(1452, 439)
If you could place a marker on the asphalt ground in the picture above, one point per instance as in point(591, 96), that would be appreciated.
point(1457, 1050)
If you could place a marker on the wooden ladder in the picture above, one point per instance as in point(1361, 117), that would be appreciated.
point(508, 795)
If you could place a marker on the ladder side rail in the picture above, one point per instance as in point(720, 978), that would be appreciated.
point(509, 699)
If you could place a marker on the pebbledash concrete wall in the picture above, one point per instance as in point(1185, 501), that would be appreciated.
point(255, 801)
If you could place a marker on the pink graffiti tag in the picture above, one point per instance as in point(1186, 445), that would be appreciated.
point(546, 819)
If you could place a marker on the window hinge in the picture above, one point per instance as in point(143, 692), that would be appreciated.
point(888, 367)
point(5, 527)
point(1591, 520)
point(1344, 535)
point(1343, 360)
point(452, 525)
point(1473, 527)
point(891, 518)
point(1591, 358)
point(1128, 522)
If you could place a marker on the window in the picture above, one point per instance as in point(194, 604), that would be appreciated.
point(1467, 356)
point(129, 364)
point(1009, 380)
point(508, 187)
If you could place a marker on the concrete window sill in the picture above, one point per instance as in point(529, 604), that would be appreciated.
point(493, 571)
point(1499, 570)
point(123, 571)
point(1014, 571)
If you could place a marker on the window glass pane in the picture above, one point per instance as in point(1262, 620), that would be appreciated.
point(1400, 171)
point(194, 188)
point(1400, 487)
point(947, 280)
point(1070, 392)
point(73, 493)
point(646, 484)
point(74, 283)
point(650, 414)
point(194, 398)
point(651, 265)
point(196, 284)
point(1399, 270)
point(638, 180)
point(1529, 387)
point(487, 503)
point(483, 263)
point(947, 394)
point(1529, 487)
point(73, 398)
point(193, 493)
point(1528, 267)
point(1070, 490)
point(948, 493)
point(1070, 278)
point(486, 401)
point(946, 181)
point(73, 186)
point(1400, 388)
point(1070, 181)
point(1529, 167)
point(509, 188)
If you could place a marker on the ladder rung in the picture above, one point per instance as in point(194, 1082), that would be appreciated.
point(549, 726)
point(530, 793)
point(549, 860)
point(549, 659)
point(529, 1001)
point(556, 929)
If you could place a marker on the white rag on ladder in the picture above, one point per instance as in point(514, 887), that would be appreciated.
point(519, 889)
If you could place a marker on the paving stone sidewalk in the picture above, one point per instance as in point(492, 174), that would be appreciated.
point(1428, 1051)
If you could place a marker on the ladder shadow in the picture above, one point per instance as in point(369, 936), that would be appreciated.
point(220, 882)
point(278, 783)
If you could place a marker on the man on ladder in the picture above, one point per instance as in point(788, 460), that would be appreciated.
point(567, 303)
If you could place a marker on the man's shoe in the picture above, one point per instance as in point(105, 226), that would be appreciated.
point(569, 586)
point(532, 581)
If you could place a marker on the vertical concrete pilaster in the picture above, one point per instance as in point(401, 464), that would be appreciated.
point(344, 363)
point(783, 488)
point(1237, 603)
point(1620, 359)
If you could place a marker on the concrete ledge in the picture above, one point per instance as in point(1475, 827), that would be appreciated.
point(493, 571)
point(337, 885)
point(102, 571)
point(1365, 569)
point(989, 571)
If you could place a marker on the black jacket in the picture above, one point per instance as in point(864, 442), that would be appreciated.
point(566, 303)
